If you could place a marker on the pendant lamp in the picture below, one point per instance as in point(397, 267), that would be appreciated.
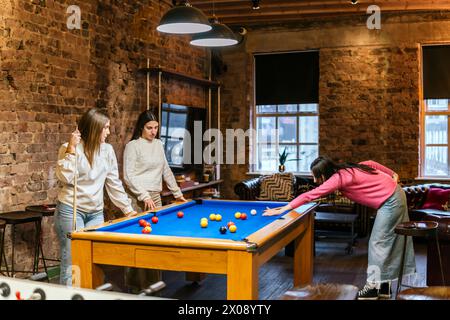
point(219, 36)
point(184, 19)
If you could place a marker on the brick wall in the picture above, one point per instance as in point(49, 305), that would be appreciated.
point(368, 88)
point(50, 75)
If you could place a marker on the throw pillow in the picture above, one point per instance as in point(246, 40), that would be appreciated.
point(437, 198)
point(277, 187)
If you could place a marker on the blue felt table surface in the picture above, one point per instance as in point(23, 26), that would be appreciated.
point(189, 226)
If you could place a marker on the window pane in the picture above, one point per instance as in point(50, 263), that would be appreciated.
point(436, 161)
point(177, 121)
point(267, 159)
point(309, 129)
point(265, 129)
point(287, 127)
point(164, 124)
point(307, 155)
point(291, 162)
point(266, 109)
point(174, 151)
point(287, 108)
point(437, 104)
point(436, 131)
point(309, 107)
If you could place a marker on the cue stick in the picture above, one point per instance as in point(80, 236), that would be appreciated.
point(74, 223)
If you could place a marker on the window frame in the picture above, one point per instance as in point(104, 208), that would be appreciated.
point(425, 112)
point(278, 115)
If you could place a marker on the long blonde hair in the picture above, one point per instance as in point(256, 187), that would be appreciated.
point(91, 126)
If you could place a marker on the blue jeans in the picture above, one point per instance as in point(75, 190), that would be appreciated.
point(63, 225)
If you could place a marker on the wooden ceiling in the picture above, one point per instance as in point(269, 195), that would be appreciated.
point(240, 12)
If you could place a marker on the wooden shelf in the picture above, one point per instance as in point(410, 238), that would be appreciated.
point(182, 76)
point(189, 186)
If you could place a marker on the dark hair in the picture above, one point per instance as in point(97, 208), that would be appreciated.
point(143, 118)
point(324, 166)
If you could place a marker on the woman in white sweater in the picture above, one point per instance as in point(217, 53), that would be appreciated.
point(145, 164)
point(144, 167)
point(93, 164)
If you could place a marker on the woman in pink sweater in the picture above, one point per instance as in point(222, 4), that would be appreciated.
point(373, 185)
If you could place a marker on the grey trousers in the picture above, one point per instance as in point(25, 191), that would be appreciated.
point(385, 246)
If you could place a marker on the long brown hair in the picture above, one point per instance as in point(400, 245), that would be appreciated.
point(326, 167)
point(143, 118)
point(91, 126)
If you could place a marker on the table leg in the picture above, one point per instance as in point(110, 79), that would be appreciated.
point(303, 254)
point(85, 273)
point(242, 276)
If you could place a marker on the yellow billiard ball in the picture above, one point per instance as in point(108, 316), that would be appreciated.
point(205, 219)
point(237, 215)
point(204, 223)
point(232, 228)
point(212, 217)
point(218, 217)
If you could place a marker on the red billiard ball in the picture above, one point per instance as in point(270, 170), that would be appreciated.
point(243, 216)
point(180, 214)
point(147, 224)
point(142, 222)
point(230, 224)
point(155, 219)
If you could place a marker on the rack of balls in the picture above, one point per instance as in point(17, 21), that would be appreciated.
point(146, 225)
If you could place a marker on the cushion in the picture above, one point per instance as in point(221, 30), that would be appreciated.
point(277, 187)
point(437, 198)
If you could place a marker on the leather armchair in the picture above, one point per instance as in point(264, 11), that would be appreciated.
point(416, 196)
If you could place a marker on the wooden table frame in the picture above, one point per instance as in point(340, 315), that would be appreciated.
point(239, 260)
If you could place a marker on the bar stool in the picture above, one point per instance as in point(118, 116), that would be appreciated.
point(2, 241)
point(20, 217)
point(47, 210)
point(417, 229)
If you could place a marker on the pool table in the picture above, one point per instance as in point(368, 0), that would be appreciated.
point(181, 244)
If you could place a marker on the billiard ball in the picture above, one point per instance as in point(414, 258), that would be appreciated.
point(243, 216)
point(204, 223)
point(155, 219)
point(232, 228)
point(180, 214)
point(147, 229)
point(230, 224)
point(142, 222)
point(206, 219)
point(223, 230)
point(218, 217)
point(253, 212)
point(147, 224)
point(237, 215)
point(212, 217)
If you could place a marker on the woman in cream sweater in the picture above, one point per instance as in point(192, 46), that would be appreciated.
point(92, 162)
point(145, 164)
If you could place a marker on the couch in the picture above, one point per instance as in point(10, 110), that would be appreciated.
point(416, 196)
point(250, 189)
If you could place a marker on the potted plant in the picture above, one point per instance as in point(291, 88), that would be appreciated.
point(282, 160)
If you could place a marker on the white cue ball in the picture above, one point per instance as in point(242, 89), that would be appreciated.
point(253, 212)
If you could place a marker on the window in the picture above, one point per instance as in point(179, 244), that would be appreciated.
point(286, 110)
point(294, 127)
point(435, 138)
point(435, 115)
point(173, 124)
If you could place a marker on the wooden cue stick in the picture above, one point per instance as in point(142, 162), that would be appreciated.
point(74, 223)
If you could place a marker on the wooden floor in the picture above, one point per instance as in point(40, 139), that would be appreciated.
point(331, 265)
